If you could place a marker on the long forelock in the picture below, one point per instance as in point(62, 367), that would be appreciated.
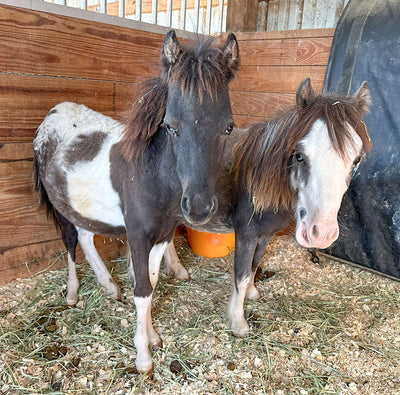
point(262, 156)
point(199, 70)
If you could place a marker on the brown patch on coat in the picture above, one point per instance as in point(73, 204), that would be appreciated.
point(85, 147)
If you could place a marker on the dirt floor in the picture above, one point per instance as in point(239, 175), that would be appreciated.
point(322, 328)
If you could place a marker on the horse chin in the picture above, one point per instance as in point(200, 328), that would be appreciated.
point(197, 222)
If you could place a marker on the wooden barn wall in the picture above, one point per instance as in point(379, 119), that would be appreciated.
point(47, 58)
point(272, 66)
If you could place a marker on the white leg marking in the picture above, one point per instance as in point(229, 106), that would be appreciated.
point(154, 338)
point(174, 266)
point(239, 325)
point(252, 292)
point(73, 283)
point(104, 278)
point(145, 333)
point(143, 358)
point(155, 257)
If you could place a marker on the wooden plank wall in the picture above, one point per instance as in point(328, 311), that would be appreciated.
point(46, 59)
point(272, 66)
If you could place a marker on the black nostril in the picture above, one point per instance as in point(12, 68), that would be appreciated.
point(302, 213)
point(315, 231)
point(185, 205)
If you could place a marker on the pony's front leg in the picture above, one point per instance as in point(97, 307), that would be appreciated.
point(146, 265)
point(252, 292)
point(244, 253)
point(173, 264)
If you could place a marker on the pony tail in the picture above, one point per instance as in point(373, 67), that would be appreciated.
point(144, 119)
point(44, 201)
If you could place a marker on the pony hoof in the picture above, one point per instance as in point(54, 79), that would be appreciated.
point(118, 298)
point(116, 294)
point(183, 277)
point(240, 331)
point(146, 371)
point(252, 294)
point(72, 301)
point(158, 344)
point(180, 274)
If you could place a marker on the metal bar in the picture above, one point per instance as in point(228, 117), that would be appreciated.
point(84, 4)
point(103, 6)
point(138, 10)
point(121, 8)
point(196, 14)
point(183, 15)
point(169, 13)
point(208, 17)
point(221, 13)
point(154, 11)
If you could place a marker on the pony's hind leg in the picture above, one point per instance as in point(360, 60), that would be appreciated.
point(103, 275)
point(173, 264)
point(70, 239)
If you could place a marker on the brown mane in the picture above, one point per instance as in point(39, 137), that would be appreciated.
point(199, 69)
point(261, 157)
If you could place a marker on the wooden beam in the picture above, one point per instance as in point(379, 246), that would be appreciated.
point(242, 16)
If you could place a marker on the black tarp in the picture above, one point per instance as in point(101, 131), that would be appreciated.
point(366, 46)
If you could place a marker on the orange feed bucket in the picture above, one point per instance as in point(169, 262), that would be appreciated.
point(211, 245)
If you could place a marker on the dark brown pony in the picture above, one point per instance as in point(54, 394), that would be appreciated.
point(96, 176)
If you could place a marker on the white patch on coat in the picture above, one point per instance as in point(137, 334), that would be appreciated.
point(143, 358)
point(239, 325)
point(88, 182)
point(155, 256)
point(90, 190)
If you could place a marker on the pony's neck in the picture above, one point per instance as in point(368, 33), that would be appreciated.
point(159, 156)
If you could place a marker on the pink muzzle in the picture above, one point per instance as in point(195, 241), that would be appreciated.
point(318, 234)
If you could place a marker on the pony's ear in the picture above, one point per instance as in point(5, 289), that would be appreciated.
point(305, 94)
point(230, 51)
point(171, 49)
point(362, 97)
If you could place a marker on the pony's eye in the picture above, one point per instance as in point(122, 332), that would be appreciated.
point(299, 157)
point(172, 131)
point(229, 129)
point(356, 164)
